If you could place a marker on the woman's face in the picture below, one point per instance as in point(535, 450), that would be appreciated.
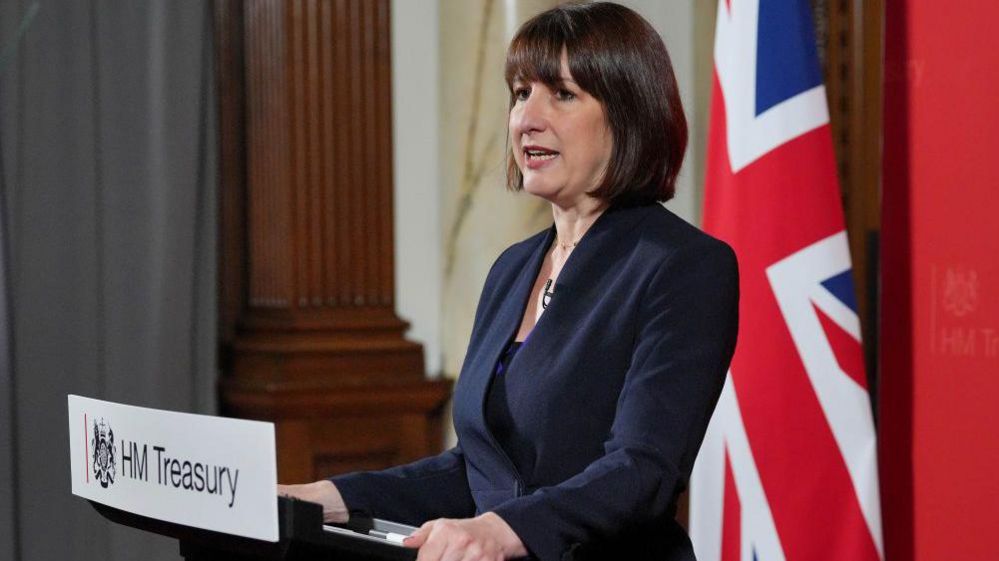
point(561, 139)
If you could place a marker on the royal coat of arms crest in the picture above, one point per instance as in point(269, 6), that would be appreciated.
point(104, 458)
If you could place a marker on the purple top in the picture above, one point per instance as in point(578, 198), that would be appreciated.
point(498, 416)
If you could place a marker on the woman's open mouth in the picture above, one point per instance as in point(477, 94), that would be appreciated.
point(536, 156)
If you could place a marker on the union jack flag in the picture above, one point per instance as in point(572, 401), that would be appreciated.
point(788, 469)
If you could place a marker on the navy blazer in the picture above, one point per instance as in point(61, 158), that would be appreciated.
point(610, 395)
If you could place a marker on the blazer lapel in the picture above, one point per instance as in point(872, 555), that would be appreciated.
point(594, 254)
point(609, 229)
point(499, 334)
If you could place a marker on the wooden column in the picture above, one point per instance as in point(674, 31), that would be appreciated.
point(850, 37)
point(310, 337)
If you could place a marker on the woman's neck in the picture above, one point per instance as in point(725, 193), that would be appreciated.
point(572, 222)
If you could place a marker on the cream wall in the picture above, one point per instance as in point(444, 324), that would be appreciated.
point(415, 133)
point(435, 53)
point(674, 20)
point(479, 217)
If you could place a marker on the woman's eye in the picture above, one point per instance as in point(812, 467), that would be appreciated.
point(521, 94)
point(564, 94)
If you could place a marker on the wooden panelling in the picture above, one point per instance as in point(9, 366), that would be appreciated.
point(310, 337)
point(318, 142)
point(850, 34)
point(367, 426)
point(318, 138)
point(232, 168)
point(268, 127)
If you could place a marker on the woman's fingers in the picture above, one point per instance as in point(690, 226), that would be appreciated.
point(419, 537)
point(456, 540)
point(435, 540)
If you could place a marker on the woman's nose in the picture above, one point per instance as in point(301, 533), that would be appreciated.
point(531, 115)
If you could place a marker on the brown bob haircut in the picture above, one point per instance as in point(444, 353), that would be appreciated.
point(619, 59)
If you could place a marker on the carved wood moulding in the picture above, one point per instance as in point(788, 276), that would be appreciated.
point(317, 212)
point(309, 335)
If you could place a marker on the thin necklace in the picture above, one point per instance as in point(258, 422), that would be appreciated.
point(549, 291)
point(565, 246)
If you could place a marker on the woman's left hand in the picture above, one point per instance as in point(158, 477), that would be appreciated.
point(483, 538)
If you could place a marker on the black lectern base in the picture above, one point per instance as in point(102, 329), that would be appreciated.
point(301, 538)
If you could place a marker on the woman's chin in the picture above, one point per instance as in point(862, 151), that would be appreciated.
point(541, 189)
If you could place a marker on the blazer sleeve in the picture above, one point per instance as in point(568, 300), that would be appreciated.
point(685, 339)
point(434, 487)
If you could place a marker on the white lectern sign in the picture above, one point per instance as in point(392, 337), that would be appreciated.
point(202, 471)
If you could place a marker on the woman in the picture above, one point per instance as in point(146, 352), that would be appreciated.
point(599, 346)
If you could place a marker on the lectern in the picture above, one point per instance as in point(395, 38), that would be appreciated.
point(211, 484)
point(302, 537)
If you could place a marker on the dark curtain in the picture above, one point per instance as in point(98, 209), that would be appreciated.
point(107, 145)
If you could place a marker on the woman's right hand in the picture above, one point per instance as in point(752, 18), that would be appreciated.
point(323, 492)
